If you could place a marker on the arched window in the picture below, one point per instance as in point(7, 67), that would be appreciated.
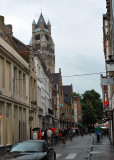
point(37, 37)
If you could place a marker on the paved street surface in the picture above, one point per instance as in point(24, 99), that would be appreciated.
point(77, 149)
point(102, 150)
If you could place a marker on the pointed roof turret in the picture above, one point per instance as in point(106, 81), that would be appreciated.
point(30, 43)
point(41, 19)
point(52, 41)
point(48, 24)
point(34, 22)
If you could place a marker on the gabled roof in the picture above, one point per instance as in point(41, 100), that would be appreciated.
point(55, 77)
point(23, 50)
point(67, 91)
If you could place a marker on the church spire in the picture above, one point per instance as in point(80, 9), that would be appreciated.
point(41, 20)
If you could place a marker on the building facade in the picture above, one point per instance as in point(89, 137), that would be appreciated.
point(14, 92)
point(106, 82)
point(57, 83)
point(68, 107)
point(42, 76)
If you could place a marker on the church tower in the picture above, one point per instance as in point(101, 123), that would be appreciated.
point(43, 42)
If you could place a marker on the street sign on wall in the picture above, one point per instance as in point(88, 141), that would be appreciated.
point(110, 67)
point(107, 81)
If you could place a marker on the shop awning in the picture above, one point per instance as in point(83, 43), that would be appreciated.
point(80, 124)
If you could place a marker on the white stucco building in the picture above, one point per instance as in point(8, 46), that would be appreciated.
point(44, 119)
point(14, 96)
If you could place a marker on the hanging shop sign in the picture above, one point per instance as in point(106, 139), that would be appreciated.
point(107, 81)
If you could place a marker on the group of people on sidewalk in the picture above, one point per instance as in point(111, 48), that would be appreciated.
point(53, 137)
point(102, 133)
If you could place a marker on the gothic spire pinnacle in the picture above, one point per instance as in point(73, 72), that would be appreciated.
point(48, 24)
point(33, 22)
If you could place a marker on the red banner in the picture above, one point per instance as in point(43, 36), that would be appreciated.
point(106, 103)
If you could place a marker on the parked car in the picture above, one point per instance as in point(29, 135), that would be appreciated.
point(30, 150)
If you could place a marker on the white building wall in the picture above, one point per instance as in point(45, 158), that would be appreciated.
point(11, 102)
point(43, 86)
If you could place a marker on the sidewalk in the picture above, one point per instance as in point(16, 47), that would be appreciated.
point(102, 150)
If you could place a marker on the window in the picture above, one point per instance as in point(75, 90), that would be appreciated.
point(1, 122)
point(37, 37)
point(34, 91)
point(31, 88)
point(14, 79)
point(8, 75)
point(38, 46)
point(20, 85)
point(15, 124)
point(24, 85)
point(20, 123)
point(24, 124)
point(2, 78)
point(8, 123)
point(47, 38)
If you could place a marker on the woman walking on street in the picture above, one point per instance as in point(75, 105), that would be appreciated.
point(63, 138)
point(71, 134)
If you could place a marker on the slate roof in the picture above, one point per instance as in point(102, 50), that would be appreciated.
point(48, 24)
point(41, 19)
point(67, 91)
point(23, 50)
point(55, 77)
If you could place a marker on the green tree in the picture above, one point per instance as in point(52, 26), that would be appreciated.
point(92, 107)
point(89, 116)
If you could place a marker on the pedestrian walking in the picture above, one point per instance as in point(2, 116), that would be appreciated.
point(81, 133)
point(45, 135)
point(98, 135)
point(39, 134)
point(86, 131)
point(60, 134)
point(35, 135)
point(71, 134)
point(56, 136)
point(42, 134)
point(63, 136)
point(49, 136)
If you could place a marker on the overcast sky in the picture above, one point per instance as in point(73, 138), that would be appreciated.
point(76, 31)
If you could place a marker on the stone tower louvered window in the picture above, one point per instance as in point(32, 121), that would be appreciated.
point(37, 37)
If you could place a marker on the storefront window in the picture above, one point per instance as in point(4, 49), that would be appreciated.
point(24, 124)
point(1, 123)
point(20, 124)
point(15, 124)
point(8, 106)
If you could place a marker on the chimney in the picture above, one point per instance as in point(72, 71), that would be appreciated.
point(1, 24)
point(8, 30)
point(59, 70)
